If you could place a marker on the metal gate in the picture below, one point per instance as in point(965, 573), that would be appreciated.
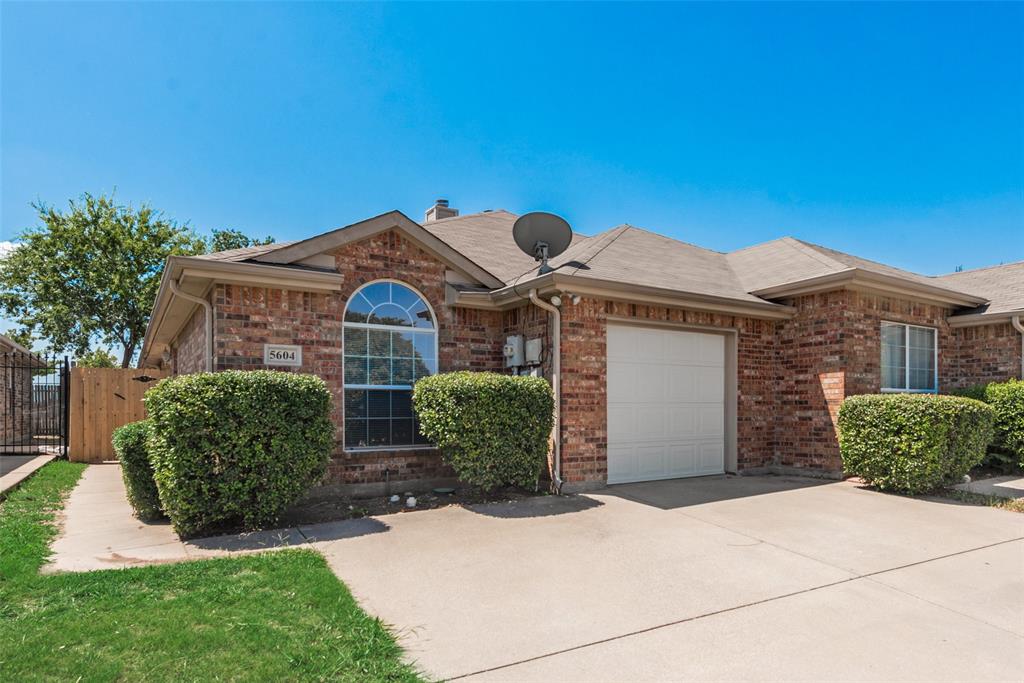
point(33, 403)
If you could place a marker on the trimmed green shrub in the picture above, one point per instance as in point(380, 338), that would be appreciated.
point(492, 429)
point(237, 448)
point(912, 442)
point(975, 391)
point(1007, 400)
point(130, 444)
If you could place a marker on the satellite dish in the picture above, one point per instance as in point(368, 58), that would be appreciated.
point(542, 235)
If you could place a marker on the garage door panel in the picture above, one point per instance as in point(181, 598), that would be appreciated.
point(709, 384)
point(712, 454)
point(682, 383)
point(711, 421)
point(623, 378)
point(712, 350)
point(622, 423)
point(666, 403)
point(650, 461)
point(621, 463)
point(683, 422)
point(652, 422)
point(651, 382)
point(650, 344)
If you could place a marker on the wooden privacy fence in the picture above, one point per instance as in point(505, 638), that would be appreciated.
point(103, 399)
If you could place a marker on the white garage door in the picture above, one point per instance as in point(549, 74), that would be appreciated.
point(666, 404)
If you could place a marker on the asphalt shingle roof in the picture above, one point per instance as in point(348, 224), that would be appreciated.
point(630, 255)
point(486, 239)
point(1002, 285)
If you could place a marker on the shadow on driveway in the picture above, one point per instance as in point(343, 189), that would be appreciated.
point(670, 494)
point(541, 506)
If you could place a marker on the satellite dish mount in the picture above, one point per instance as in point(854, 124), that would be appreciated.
point(542, 236)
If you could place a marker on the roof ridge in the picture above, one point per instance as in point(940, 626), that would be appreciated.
point(475, 214)
point(672, 239)
point(975, 270)
point(813, 250)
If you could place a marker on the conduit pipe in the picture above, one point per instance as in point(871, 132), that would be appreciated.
point(556, 384)
point(209, 320)
point(1015, 320)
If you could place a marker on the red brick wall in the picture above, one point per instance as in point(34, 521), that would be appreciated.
point(188, 353)
point(830, 350)
point(863, 337)
point(584, 381)
point(985, 353)
point(15, 398)
point(246, 318)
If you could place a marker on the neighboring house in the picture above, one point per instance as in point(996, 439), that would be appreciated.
point(674, 360)
point(16, 365)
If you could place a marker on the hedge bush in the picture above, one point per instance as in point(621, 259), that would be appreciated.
point(130, 444)
point(1007, 400)
point(492, 429)
point(975, 391)
point(912, 442)
point(237, 448)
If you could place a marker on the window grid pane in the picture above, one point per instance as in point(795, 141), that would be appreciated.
point(908, 357)
point(389, 341)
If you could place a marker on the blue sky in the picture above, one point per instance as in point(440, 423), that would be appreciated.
point(895, 132)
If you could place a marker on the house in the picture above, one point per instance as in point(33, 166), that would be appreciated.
point(16, 366)
point(672, 360)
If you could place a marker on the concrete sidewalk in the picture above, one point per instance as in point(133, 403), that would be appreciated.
point(15, 469)
point(99, 531)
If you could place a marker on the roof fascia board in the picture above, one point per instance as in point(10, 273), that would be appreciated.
point(422, 237)
point(861, 280)
point(555, 282)
point(263, 275)
point(976, 319)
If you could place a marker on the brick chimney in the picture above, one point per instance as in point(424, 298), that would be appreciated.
point(440, 210)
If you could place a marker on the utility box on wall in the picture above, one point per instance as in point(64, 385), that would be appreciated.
point(534, 348)
point(514, 352)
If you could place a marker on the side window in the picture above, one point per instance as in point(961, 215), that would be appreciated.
point(909, 355)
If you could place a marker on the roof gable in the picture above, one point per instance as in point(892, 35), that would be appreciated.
point(393, 220)
point(486, 238)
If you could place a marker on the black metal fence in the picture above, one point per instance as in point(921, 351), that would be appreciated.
point(34, 403)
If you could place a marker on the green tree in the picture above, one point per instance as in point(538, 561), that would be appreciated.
point(223, 240)
point(97, 358)
point(90, 273)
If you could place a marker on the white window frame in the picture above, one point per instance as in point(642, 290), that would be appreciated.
point(906, 359)
point(385, 387)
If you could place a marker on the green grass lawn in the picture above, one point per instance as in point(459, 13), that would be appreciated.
point(280, 616)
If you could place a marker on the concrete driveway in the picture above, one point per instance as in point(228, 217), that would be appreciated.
point(721, 578)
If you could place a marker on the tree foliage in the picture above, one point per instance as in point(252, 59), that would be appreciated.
point(97, 358)
point(89, 274)
point(223, 240)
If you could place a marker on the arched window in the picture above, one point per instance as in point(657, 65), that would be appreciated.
point(390, 342)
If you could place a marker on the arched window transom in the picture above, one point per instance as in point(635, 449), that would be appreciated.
point(390, 342)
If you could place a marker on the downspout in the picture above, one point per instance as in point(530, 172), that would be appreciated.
point(556, 384)
point(209, 320)
point(1017, 325)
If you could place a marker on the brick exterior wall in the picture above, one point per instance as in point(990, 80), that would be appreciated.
point(246, 318)
point(188, 352)
point(985, 353)
point(15, 398)
point(792, 375)
point(584, 382)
